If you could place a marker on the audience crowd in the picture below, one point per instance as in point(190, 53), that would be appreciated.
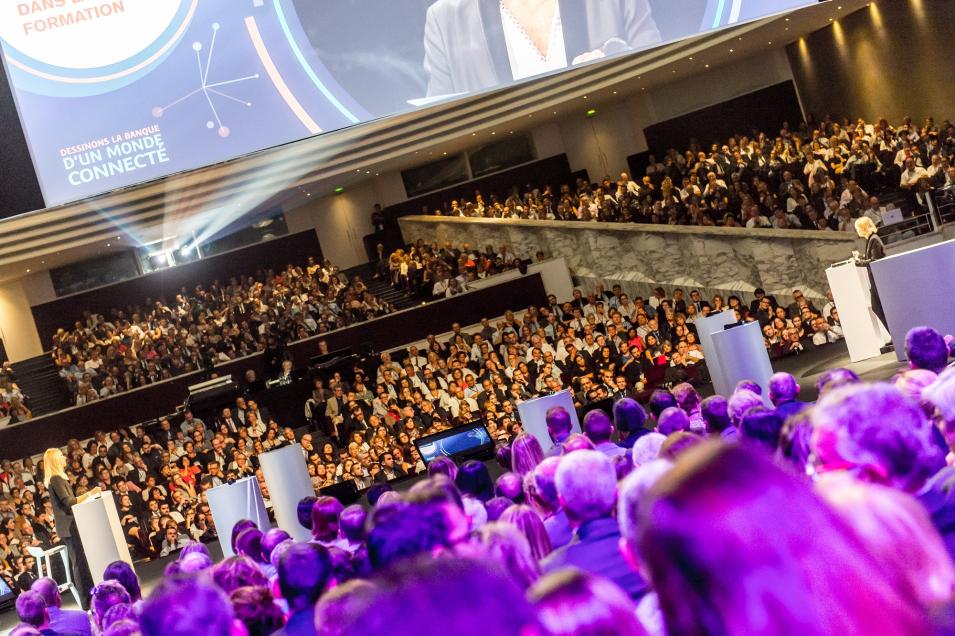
point(14, 405)
point(602, 346)
point(157, 340)
point(757, 514)
point(820, 177)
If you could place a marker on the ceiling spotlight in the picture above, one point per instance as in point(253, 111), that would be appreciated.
point(28, 270)
point(107, 245)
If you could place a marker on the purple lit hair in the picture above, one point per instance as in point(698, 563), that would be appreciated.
point(724, 538)
point(185, 607)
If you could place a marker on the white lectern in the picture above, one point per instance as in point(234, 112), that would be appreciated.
point(705, 328)
point(917, 288)
point(851, 291)
point(534, 415)
point(739, 353)
point(233, 502)
point(101, 533)
point(288, 482)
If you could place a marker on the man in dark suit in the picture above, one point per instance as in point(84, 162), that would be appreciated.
point(231, 421)
point(697, 301)
point(760, 293)
point(466, 43)
point(587, 488)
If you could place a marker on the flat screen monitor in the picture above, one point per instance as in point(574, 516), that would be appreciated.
point(6, 594)
point(463, 442)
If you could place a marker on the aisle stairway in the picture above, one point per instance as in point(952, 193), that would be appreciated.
point(384, 291)
point(39, 380)
point(380, 288)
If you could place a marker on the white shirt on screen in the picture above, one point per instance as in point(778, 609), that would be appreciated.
point(526, 60)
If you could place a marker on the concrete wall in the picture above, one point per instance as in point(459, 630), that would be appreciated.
point(17, 328)
point(641, 257)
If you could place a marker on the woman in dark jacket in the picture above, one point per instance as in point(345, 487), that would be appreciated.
point(874, 250)
point(63, 500)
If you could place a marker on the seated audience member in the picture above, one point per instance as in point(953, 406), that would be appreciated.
point(31, 610)
point(237, 571)
point(587, 487)
point(351, 528)
point(123, 573)
point(599, 429)
point(740, 403)
point(689, 400)
point(630, 419)
point(428, 520)
point(61, 621)
point(271, 540)
point(720, 497)
point(647, 449)
point(304, 512)
point(436, 597)
point(941, 396)
point(833, 379)
point(508, 547)
point(104, 596)
point(255, 608)
point(186, 607)
point(526, 454)
point(496, 507)
point(571, 602)
point(898, 531)
point(249, 544)
point(474, 481)
point(784, 393)
point(874, 433)
point(325, 512)
point(676, 444)
point(541, 491)
point(748, 385)
point(117, 613)
point(238, 528)
point(559, 428)
point(715, 413)
point(660, 401)
point(509, 486)
point(761, 427)
point(530, 524)
point(633, 490)
point(672, 420)
point(926, 349)
point(304, 571)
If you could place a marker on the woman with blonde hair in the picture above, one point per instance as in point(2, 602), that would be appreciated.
point(63, 500)
point(874, 250)
point(504, 543)
point(571, 602)
point(898, 532)
point(526, 454)
point(532, 527)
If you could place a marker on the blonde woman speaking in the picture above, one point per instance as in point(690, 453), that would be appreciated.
point(63, 499)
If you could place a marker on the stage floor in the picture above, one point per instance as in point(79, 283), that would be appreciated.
point(806, 367)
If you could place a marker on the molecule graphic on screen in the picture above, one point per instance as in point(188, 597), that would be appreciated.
point(210, 90)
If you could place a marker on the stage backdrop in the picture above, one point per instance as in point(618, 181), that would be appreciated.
point(115, 92)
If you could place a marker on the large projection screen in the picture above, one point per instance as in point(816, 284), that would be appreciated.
point(116, 92)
